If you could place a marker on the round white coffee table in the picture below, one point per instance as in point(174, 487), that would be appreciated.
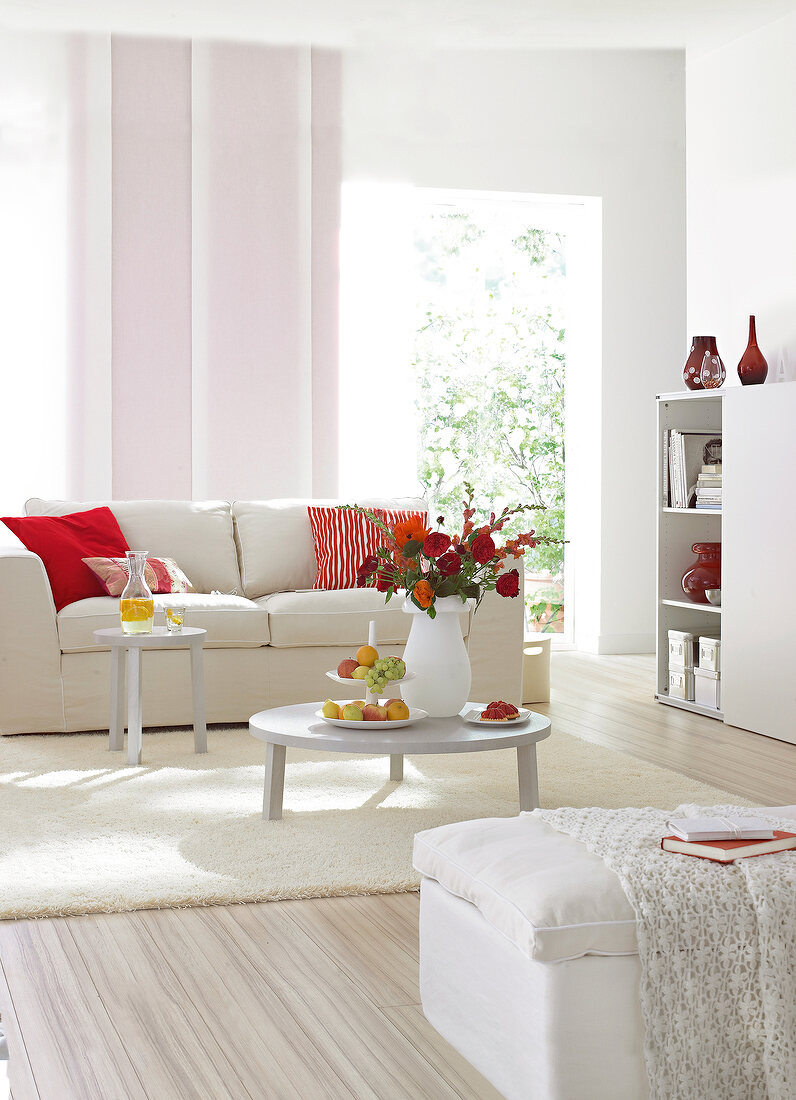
point(297, 727)
point(133, 644)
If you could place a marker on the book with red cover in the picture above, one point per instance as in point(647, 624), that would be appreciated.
point(725, 851)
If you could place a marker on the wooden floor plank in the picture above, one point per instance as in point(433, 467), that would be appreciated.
point(20, 1074)
point(457, 1071)
point(257, 1030)
point(373, 957)
point(175, 1053)
point(73, 1047)
point(610, 700)
point(364, 1048)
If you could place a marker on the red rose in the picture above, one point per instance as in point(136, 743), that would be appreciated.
point(508, 584)
point(449, 564)
point(369, 565)
point(483, 549)
point(382, 584)
point(435, 544)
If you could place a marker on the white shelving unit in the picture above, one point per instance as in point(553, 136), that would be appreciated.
point(678, 530)
point(757, 531)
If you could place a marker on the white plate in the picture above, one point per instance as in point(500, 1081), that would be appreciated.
point(415, 714)
point(349, 680)
point(474, 718)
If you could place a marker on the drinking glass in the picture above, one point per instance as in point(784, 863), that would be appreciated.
point(175, 619)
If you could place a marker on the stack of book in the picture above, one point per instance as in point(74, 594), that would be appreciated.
point(708, 489)
point(684, 472)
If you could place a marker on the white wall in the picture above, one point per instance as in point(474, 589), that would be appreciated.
point(741, 122)
point(605, 124)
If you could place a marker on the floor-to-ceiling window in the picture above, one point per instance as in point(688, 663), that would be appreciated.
point(456, 310)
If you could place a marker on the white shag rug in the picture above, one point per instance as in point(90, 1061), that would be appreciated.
point(80, 832)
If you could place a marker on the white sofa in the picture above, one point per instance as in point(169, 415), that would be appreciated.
point(270, 636)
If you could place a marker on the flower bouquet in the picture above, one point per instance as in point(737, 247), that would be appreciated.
point(431, 565)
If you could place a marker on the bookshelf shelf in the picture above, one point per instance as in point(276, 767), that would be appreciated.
point(689, 606)
point(686, 704)
point(693, 511)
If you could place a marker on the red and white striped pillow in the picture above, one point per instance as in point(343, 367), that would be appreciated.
point(343, 540)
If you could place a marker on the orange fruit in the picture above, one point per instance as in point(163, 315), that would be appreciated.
point(366, 655)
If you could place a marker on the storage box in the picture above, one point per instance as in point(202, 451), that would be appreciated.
point(710, 653)
point(682, 649)
point(707, 688)
point(681, 683)
point(536, 669)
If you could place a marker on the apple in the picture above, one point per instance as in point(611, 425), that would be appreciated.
point(359, 703)
point(397, 711)
point(367, 656)
point(330, 709)
point(346, 668)
point(360, 672)
point(352, 713)
point(389, 702)
point(374, 713)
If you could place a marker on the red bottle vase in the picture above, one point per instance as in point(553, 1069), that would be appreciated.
point(752, 369)
point(693, 364)
point(704, 573)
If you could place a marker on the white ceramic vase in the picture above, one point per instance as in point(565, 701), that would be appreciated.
point(437, 655)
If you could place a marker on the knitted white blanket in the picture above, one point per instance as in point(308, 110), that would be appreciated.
point(717, 945)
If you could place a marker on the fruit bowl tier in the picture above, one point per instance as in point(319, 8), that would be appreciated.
point(415, 715)
point(369, 696)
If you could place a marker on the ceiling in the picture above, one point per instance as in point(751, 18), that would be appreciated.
point(700, 25)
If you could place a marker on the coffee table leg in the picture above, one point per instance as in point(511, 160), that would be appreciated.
point(116, 732)
point(274, 781)
point(396, 766)
point(134, 705)
point(528, 777)
point(198, 688)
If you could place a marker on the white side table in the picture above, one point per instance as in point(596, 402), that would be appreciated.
point(160, 638)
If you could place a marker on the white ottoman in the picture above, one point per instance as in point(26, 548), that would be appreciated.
point(528, 959)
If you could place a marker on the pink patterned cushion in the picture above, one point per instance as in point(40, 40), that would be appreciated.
point(160, 574)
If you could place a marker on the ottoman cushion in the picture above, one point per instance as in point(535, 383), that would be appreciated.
point(543, 890)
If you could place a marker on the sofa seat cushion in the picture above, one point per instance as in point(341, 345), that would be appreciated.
point(339, 617)
point(197, 534)
point(543, 890)
point(230, 621)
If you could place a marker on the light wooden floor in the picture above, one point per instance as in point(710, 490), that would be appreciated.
point(303, 999)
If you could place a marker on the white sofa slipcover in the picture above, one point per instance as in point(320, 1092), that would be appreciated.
point(270, 636)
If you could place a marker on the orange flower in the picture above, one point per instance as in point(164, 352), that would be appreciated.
point(423, 593)
point(408, 530)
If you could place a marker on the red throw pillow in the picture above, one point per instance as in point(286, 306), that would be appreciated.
point(63, 541)
point(344, 539)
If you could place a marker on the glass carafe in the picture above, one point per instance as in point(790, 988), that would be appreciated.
point(137, 608)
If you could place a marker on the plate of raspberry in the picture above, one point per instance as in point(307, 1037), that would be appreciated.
point(498, 712)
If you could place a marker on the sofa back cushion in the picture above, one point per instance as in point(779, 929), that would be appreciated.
point(197, 534)
point(275, 544)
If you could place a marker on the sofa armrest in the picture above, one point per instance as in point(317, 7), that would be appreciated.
point(31, 694)
point(495, 646)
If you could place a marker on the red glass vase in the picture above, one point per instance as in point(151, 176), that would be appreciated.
point(704, 573)
point(693, 365)
point(752, 369)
